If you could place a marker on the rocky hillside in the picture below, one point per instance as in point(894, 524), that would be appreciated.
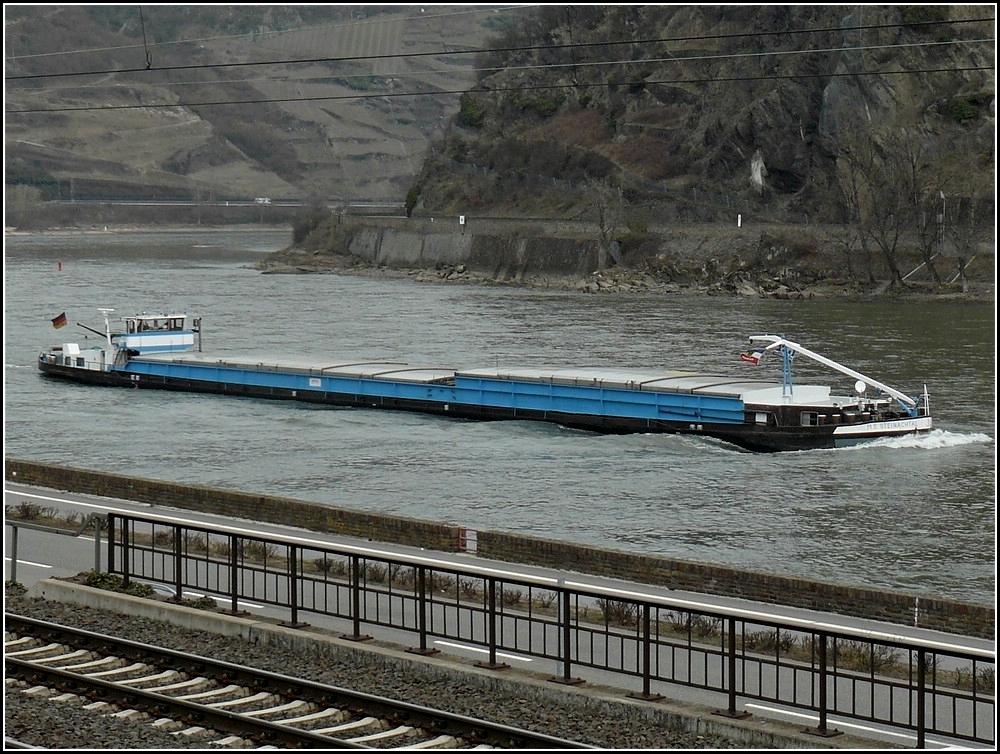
point(861, 138)
point(215, 101)
point(701, 112)
point(683, 112)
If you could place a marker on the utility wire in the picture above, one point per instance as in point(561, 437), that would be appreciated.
point(548, 66)
point(149, 55)
point(493, 89)
point(500, 50)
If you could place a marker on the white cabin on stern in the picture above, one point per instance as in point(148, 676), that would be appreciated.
point(157, 333)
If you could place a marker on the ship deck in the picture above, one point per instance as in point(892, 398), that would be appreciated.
point(655, 381)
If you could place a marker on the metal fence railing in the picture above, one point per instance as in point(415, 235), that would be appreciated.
point(921, 685)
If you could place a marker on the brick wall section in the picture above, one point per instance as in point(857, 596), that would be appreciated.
point(893, 607)
point(265, 508)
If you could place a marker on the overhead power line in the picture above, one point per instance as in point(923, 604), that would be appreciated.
point(499, 50)
point(549, 66)
point(492, 89)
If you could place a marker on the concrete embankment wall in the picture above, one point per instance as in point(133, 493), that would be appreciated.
point(496, 256)
point(894, 607)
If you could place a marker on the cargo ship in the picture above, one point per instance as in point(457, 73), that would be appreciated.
point(163, 352)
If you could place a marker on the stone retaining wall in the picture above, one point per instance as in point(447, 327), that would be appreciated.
point(893, 607)
point(500, 257)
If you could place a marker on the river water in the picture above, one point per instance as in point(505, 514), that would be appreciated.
point(909, 515)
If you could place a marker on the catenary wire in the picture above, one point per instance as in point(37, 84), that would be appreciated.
point(492, 89)
point(438, 53)
point(549, 66)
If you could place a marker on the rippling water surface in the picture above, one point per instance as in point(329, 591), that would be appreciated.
point(912, 515)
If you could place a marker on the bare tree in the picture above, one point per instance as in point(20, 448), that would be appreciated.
point(886, 179)
point(854, 191)
point(845, 238)
point(929, 232)
point(925, 183)
point(608, 205)
point(968, 227)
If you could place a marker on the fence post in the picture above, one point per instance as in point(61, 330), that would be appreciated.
point(111, 542)
point(293, 587)
point(921, 700)
point(97, 542)
point(564, 627)
point(178, 562)
point(233, 575)
point(126, 554)
point(356, 601)
point(13, 553)
point(731, 710)
point(422, 614)
point(646, 695)
point(821, 729)
point(491, 627)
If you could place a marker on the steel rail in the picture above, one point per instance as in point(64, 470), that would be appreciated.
point(435, 722)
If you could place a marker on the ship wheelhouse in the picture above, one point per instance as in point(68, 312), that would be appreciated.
point(155, 323)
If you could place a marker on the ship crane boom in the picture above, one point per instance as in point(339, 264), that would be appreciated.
point(777, 342)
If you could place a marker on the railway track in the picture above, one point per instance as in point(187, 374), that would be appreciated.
point(231, 706)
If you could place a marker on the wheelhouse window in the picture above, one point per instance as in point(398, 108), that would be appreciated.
point(810, 419)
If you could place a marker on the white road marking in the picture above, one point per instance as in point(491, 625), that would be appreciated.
point(483, 651)
point(29, 563)
point(220, 600)
point(909, 737)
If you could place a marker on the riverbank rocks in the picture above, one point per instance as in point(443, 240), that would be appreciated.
point(786, 263)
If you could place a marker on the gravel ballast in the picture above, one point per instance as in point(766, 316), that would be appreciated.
point(598, 722)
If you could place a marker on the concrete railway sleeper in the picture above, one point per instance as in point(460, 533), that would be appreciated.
point(231, 706)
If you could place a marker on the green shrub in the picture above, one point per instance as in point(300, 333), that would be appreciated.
point(618, 612)
point(511, 597)
point(545, 107)
point(925, 14)
point(873, 658)
point(375, 572)
point(28, 511)
point(961, 109)
point(470, 111)
point(201, 603)
point(769, 641)
point(114, 583)
point(330, 567)
point(412, 197)
point(307, 221)
point(545, 599)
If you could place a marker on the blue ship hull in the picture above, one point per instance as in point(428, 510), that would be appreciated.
point(156, 352)
point(603, 408)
